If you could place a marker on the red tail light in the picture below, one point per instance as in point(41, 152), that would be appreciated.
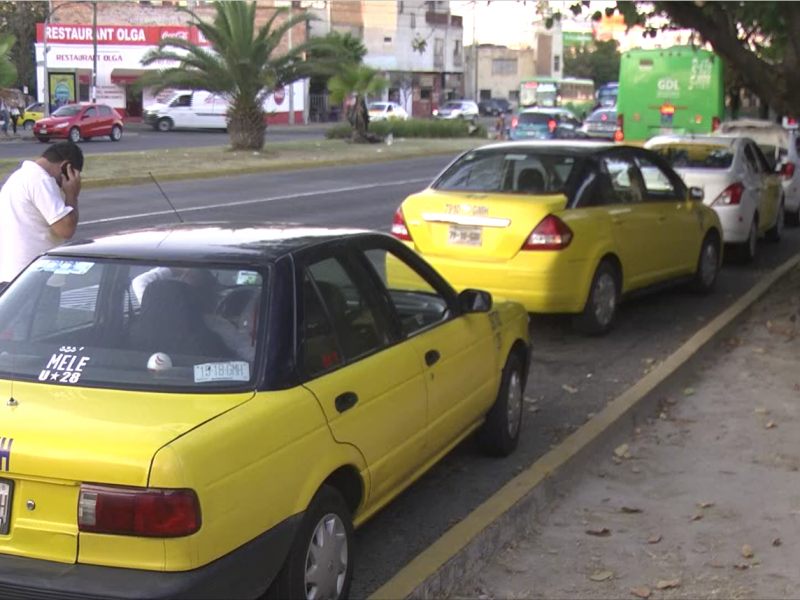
point(399, 229)
point(619, 134)
point(551, 125)
point(550, 234)
point(142, 512)
point(731, 196)
point(667, 110)
point(514, 123)
point(604, 117)
point(715, 123)
point(787, 170)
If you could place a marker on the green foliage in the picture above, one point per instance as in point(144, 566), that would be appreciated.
point(329, 53)
point(19, 19)
point(412, 128)
point(8, 70)
point(359, 81)
point(599, 62)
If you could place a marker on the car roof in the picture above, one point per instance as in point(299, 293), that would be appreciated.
point(732, 140)
point(569, 147)
point(545, 109)
point(236, 243)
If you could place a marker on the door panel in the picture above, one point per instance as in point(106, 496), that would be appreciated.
point(89, 122)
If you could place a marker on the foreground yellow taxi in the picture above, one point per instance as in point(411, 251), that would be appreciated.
point(563, 227)
point(208, 412)
point(33, 113)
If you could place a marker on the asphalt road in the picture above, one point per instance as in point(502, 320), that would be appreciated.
point(594, 370)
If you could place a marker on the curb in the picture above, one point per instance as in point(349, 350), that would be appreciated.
point(453, 559)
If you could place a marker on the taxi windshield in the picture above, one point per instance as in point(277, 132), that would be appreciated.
point(695, 156)
point(132, 325)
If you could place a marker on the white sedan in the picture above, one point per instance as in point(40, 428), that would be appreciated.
point(737, 181)
point(385, 111)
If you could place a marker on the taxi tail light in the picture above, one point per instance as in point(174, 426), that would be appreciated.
point(550, 234)
point(715, 123)
point(787, 170)
point(514, 123)
point(399, 227)
point(141, 512)
point(732, 195)
point(619, 134)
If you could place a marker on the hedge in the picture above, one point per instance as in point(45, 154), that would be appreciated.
point(412, 128)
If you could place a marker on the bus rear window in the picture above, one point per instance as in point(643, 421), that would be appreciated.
point(695, 156)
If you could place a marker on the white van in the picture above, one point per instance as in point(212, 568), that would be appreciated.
point(187, 109)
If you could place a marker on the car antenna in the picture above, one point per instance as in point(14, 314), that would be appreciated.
point(163, 193)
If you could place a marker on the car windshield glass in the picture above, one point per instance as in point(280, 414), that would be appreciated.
point(452, 105)
point(377, 106)
point(521, 171)
point(695, 156)
point(603, 116)
point(67, 111)
point(132, 325)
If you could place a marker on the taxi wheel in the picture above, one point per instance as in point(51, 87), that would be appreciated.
point(28, 125)
point(775, 234)
point(499, 434)
point(320, 563)
point(601, 307)
point(707, 264)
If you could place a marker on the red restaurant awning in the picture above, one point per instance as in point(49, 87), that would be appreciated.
point(126, 76)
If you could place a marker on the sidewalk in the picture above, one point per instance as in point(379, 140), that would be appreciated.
point(704, 501)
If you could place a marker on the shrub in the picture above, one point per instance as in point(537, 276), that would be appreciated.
point(413, 128)
point(339, 132)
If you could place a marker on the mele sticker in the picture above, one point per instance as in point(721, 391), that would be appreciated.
point(65, 366)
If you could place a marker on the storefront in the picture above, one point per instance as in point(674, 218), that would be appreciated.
point(120, 49)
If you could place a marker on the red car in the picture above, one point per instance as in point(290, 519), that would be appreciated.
point(77, 122)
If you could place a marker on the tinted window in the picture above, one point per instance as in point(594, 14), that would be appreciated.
point(321, 350)
point(657, 183)
point(377, 106)
point(531, 120)
point(68, 111)
point(766, 165)
point(105, 111)
point(751, 160)
point(695, 156)
point(626, 180)
point(90, 112)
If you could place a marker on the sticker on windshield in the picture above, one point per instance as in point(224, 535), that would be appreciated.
point(64, 267)
point(247, 278)
point(222, 371)
point(65, 366)
point(516, 156)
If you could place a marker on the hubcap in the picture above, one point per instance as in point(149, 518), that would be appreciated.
point(605, 299)
point(708, 269)
point(514, 406)
point(75, 135)
point(326, 560)
point(116, 133)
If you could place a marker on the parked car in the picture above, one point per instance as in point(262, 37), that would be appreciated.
point(780, 148)
point(77, 122)
point(563, 227)
point(494, 107)
point(386, 111)
point(273, 389)
point(737, 181)
point(465, 110)
point(546, 124)
point(33, 113)
point(188, 109)
point(601, 124)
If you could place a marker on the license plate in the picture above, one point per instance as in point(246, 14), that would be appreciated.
point(6, 487)
point(44, 129)
point(465, 236)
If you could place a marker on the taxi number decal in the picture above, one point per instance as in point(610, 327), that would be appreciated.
point(5, 453)
point(65, 366)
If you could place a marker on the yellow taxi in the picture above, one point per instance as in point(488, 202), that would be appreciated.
point(33, 113)
point(563, 227)
point(208, 411)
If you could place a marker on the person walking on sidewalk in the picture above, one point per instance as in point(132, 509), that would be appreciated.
point(15, 115)
point(34, 217)
point(4, 115)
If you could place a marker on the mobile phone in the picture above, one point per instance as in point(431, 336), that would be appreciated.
point(64, 170)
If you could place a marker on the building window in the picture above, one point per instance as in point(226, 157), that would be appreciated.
point(457, 47)
point(387, 40)
point(400, 6)
point(485, 94)
point(413, 21)
point(556, 63)
point(425, 93)
point(513, 95)
point(438, 54)
point(504, 66)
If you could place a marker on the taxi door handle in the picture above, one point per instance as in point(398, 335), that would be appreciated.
point(432, 357)
point(346, 401)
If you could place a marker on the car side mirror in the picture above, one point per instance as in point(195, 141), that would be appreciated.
point(475, 301)
point(696, 194)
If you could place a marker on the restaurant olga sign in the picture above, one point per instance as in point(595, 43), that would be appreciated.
point(116, 35)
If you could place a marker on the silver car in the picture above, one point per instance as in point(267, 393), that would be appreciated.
point(465, 110)
point(601, 124)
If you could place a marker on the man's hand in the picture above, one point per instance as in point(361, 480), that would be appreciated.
point(71, 185)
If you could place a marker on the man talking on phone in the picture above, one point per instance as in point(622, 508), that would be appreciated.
point(34, 216)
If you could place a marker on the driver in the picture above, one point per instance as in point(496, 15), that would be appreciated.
point(207, 293)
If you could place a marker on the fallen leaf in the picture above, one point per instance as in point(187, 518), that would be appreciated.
point(668, 584)
point(769, 324)
point(761, 411)
point(716, 565)
point(747, 551)
point(759, 350)
point(741, 566)
point(649, 361)
point(705, 504)
point(777, 542)
point(622, 450)
point(590, 416)
point(569, 388)
point(627, 456)
point(601, 575)
point(641, 592)
point(688, 392)
point(628, 510)
point(697, 517)
point(654, 539)
point(770, 425)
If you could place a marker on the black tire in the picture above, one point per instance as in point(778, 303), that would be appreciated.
point(164, 125)
point(600, 310)
point(44, 140)
point(499, 434)
point(28, 125)
point(775, 233)
point(291, 581)
point(747, 251)
point(792, 218)
point(705, 283)
point(116, 133)
point(74, 135)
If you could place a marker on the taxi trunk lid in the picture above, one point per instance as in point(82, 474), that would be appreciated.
point(52, 438)
point(480, 226)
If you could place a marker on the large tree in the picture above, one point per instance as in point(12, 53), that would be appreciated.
point(19, 19)
point(359, 81)
point(244, 65)
point(598, 61)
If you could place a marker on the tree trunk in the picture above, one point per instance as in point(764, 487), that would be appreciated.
point(246, 124)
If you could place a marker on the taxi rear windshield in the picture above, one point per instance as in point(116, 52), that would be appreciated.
point(132, 325)
point(512, 172)
point(695, 156)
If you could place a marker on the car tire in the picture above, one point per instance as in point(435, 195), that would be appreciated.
point(74, 135)
point(775, 233)
point(28, 125)
point(603, 302)
point(164, 125)
point(44, 140)
point(116, 133)
point(747, 251)
point(707, 264)
point(792, 218)
point(327, 510)
point(499, 434)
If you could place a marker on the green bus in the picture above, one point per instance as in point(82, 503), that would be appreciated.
point(674, 90)
point(569, 92)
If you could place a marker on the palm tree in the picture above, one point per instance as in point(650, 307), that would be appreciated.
point(359, 81)
point(242, 65)
point(8, 71)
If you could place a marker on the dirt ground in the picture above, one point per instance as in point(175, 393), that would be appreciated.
point(703, 502)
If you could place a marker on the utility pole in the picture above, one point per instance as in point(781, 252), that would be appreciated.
point(291, 85)
point(94, 43)
point(475, 49)
point(46, 74)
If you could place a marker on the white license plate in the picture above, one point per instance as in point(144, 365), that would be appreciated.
point(5, 505)
point(465, 236)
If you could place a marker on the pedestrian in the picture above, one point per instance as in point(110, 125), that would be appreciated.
point(500, 126)
point(34, 217)
point(4, 115)
point(15, 115)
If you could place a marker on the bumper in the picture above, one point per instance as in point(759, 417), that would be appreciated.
point(735, 225)
point(244, 573)
point(600, 135)
point(53, 134)
point(150, 118)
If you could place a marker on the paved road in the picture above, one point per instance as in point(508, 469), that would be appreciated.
point(648, 329)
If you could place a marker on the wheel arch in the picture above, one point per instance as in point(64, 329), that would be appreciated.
point(348, 482)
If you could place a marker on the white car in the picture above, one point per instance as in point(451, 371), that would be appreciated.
point(466, 110)
point(385, 111)
point(737, 183)
point(780, 147)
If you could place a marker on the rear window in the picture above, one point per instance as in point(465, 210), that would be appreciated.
point(534, 119)
point(377, 106)
point(132, 325)
point(695, 156)
point(603, 116)
point(520, 172)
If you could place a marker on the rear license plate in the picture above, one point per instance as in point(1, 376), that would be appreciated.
point(465, 236)
point(6, 488)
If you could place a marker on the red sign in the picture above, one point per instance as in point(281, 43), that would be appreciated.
point(279, 96)
point(116, 35)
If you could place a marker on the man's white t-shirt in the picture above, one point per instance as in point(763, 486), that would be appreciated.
point(30, 202)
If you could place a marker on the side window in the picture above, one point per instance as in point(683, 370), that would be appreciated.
point(595, 190)
point(354, 320)
point(416, 302)
point(183, 101)
point(90, 112)
point(657, 183)
point(751, 161)
point(626, 179)
point(762, 160)
point(105, 111)
point(321, 347)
